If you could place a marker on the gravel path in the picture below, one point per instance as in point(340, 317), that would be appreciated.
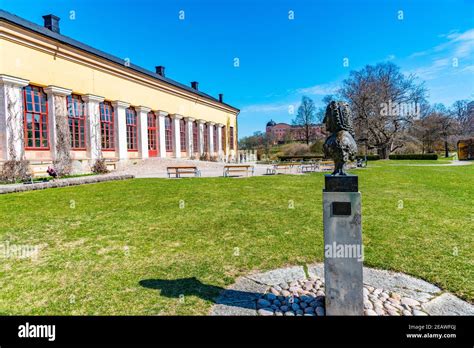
point(288, 292)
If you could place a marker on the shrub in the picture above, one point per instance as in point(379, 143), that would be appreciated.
point(295, 149)
point(429, 156)
point(369, 157)
point(317, 147)
point(408, 149)
point(62, 167)
point(204, 157)
point(99, 167)
point(13, 171)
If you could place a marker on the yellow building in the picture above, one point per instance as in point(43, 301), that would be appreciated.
point(55, 88)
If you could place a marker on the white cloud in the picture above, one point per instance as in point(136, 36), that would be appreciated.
point(458, 49)
point(268, 108)
point(320, 90)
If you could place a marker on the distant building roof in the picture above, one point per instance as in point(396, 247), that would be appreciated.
point(271, 123)
point(9, 17)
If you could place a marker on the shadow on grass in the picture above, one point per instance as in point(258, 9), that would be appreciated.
point(176, 288)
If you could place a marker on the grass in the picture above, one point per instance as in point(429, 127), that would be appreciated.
point(126, 247)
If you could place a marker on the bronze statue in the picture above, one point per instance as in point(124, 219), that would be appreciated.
point(340, 145)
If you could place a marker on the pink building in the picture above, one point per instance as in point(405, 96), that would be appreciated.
point(284, 131)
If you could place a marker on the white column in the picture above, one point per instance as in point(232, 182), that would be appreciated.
point(161, 130)
point(210, 127)
point(92, 108)
point(201, 137)
point(11, 118)
point(142, 115)
point(53, 107)
point(219, 141)
point(189, 128)
point(177, 135)
point(120, 128)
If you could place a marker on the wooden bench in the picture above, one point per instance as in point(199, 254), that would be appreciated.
point(285, 167)
point(239, 168)
point(178, 171)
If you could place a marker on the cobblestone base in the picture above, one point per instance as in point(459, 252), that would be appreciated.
point(288, 292)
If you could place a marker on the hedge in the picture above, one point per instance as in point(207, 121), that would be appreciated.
point(430, 156)
point(369, 157)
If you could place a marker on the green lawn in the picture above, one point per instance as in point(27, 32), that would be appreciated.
point(101, 244)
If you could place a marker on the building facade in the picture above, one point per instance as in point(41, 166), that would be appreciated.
point(281, 132)
point(57, 93)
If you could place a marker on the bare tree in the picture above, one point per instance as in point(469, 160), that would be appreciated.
point(446, 125)
point(463, 112)
point(435, 128)
point(320, 113)
point(384, 102)
point(425, 131)
point(306, 117)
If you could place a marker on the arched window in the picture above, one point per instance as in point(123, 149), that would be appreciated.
point(231, 138)
point(152, 135)
point(77, 122)
point(206, 138)
point(168, 134)
point(35, 119)
point(132, 135)
point(107, 126)
point(214, 137)
point(182, 134)
point(223, 138)
point(195, 136)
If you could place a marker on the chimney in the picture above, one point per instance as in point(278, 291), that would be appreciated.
point(221, 97)
point(160, 70)
point(51, 22)
point(195, 85)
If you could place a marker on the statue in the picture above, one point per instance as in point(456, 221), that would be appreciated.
point(340, 145)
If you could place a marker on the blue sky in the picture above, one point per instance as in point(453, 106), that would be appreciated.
point(281, 59)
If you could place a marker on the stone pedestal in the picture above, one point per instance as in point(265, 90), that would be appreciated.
point(343, 251)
